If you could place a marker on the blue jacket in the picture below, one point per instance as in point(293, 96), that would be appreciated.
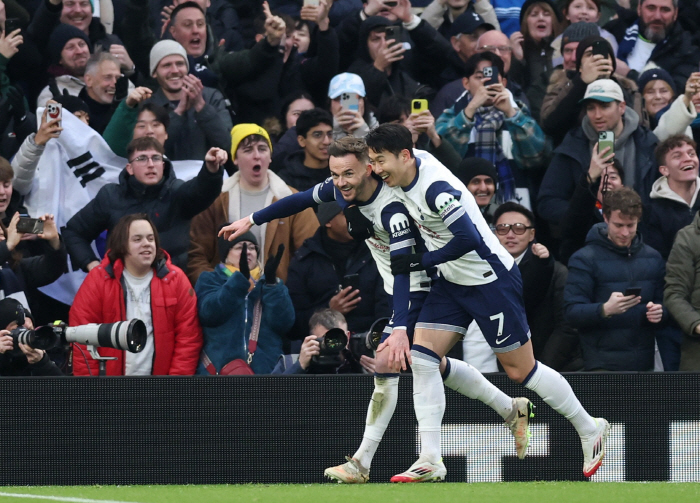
point(623, 342)
point(226, 314)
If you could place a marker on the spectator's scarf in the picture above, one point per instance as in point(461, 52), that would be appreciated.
point(488, 122)
point(628, 42)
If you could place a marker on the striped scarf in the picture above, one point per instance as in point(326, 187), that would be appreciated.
point(488, 121)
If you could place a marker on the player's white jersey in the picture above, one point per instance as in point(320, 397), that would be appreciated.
point(431, 189)
point(393, 230)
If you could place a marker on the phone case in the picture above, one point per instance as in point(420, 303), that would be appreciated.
point(350, 101)
point(417, 106)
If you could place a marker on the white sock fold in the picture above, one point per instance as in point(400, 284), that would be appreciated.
point(551, 386)
point(380, 411)
point(428, 402)
point(467, 380)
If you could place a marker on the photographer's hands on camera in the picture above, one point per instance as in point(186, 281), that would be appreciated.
point(7, 344)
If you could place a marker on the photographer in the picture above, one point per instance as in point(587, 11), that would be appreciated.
point(305, 363)
point(20, 359)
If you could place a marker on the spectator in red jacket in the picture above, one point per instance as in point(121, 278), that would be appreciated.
point(137, 280)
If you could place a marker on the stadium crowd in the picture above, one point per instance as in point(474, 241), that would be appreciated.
point(134, 130)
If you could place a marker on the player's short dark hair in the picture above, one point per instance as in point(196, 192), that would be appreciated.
point(6, 171)
point(349, 145)
point(185, 5)
point(510, 206)
point(472, 64)
point(159, 112)
point(392, 108)
point(390, 138)
point(327, 318)
point(118, 240)
point(144, 143)
point(675, 141)
point(624, 199)
point(311, 118)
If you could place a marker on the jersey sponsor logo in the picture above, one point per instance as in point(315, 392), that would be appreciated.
point(378, 245)
point(445, 203)
point(428, 231)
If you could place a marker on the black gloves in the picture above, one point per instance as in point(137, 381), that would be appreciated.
point(243, 261)
point(359, 226)
point(403, 264)
point(273, 261)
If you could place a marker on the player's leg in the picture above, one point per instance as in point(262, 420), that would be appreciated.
point(380, 411)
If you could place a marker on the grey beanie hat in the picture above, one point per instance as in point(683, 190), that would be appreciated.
point(166, 48)
point(577, 32)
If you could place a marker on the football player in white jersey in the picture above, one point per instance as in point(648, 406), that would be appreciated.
point(389, 232)
point(477, 281)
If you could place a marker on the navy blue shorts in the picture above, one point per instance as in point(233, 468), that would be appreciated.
point(497, 308)
point(416, 300)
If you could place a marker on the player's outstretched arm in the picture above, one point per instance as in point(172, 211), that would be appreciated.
point(235, 229)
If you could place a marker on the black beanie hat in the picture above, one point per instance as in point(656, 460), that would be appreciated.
point(11, 310)
point(586, 43)
point(60, 37)
point(225, 245)
point(475, 166)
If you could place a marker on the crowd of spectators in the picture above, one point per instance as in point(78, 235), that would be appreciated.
point(573, 123)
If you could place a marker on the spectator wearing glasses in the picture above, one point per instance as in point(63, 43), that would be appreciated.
point(554, 342)
point(147, 185)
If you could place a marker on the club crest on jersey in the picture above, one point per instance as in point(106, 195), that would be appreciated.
point(445, 203)
point(399, 225)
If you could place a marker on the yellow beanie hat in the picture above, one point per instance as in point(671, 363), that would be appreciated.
point(241, 131)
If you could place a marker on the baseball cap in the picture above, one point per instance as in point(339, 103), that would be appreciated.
point(468, 22)
point(604, 90)
point(346, 83)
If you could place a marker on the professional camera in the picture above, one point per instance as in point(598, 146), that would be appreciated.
point(126, 335)
point(366, 343)
point(331, 345)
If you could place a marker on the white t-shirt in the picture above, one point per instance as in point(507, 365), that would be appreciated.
point(138, 306)
point(640, 55)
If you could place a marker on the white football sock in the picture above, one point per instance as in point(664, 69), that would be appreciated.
point(551, 386)
point(467, 380)
point(379, 413)
point(428, 401)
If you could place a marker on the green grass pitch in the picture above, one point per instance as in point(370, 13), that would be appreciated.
point(539, 492)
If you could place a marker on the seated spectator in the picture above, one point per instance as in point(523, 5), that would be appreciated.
point(562, 110)
point(137, 280)
point(652, 35)
point(199, 119)
point(606, 110)
point(481, 179)
point(22, 360)
point(328, 260)
point(554, 342)
point(580, 11)
point(668, 116)
point(674, 196)
point(347, 122)
point(303, 169)
point(252, 188)
point(101, 76)
point(586, 206)
point(147, 184)
point(617, 326)
point(233, 293)
point(303, 363)
point(539, 25)
point(442, 14)
point(681, 292)
point(486, 122)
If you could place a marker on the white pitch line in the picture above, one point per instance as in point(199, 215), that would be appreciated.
point(59, 498)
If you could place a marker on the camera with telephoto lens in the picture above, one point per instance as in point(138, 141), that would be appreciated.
point(126, 335)
point(366, 343)
point(331, 346)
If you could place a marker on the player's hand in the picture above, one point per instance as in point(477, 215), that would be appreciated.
point(345, 300)
point(654, 312)
point(399, 350)
point(235, 229)
point(309, 348)
point(618, 303)
point(404, 264)
point(359, 226)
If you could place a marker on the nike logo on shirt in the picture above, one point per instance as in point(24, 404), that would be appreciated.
point(502, 340)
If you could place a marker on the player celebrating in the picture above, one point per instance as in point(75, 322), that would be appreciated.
point(477, 282)
point(389, 231)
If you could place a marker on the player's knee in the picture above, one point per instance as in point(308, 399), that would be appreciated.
point(516, 374)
